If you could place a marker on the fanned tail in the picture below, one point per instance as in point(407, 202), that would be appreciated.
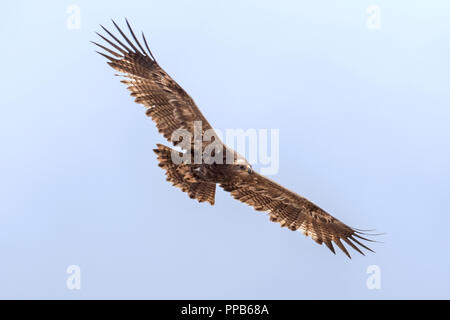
point(181, 177)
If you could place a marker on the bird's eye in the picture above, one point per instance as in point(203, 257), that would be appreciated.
point(241, 167)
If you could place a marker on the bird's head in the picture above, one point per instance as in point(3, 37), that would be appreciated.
point(242, 165)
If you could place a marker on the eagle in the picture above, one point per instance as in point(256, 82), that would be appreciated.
point(172, 110)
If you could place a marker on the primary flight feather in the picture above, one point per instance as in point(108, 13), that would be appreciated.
point(172, 109)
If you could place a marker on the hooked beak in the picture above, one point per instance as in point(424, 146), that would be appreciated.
point(249, 170)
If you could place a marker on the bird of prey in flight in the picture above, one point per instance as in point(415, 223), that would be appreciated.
point(172, 109)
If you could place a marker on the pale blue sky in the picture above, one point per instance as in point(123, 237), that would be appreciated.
point(364, 132)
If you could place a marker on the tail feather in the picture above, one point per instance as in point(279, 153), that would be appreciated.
point(181, 177)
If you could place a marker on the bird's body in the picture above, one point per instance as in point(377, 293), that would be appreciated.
point(173, 110)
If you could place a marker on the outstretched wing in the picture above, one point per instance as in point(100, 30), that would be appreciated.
point(294, 211)
point(167, 103)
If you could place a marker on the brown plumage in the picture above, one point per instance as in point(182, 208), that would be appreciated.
point(181, 177)
point(171, 108)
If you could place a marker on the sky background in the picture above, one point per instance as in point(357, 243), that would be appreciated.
point(364, 119)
